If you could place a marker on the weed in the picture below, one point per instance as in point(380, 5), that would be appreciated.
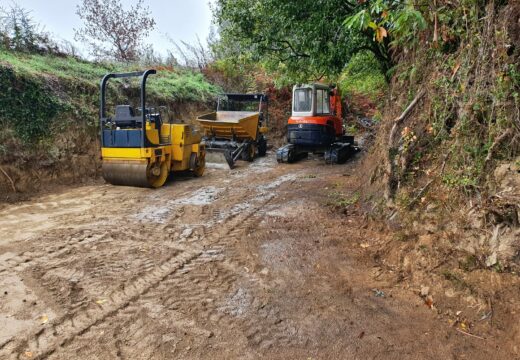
point(26, 105)
point(458, 282)
point(459, 181)
point(351, 130)
point(340, 200)
point(423, 248)
point(469, 263)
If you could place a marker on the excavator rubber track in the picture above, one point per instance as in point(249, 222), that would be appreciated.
point(290, 153)
point(339, 153)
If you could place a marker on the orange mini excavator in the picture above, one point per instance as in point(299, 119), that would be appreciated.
point(316, 126)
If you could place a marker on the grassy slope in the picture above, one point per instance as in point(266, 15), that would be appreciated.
point(182, 86)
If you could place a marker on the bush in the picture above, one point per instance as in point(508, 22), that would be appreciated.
point(364, 76)
point(26, 105)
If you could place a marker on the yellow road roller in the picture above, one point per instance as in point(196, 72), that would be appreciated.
point(139, 149)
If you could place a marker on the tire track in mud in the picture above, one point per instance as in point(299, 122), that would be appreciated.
point(20, 261)
point(201, 297)
point(63, 330)
point(77, 237)
point(210, 294)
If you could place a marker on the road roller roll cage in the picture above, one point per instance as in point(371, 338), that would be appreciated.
point(124, 115)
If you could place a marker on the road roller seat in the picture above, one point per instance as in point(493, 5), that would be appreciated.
point(156, 118)
point(125, 117)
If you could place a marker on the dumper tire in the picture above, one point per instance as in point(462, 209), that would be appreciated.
point(249, 153)
point(262, 147)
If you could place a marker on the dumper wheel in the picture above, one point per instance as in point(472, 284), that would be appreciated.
point(197, 165)
point(251, 152)
point(262, 146)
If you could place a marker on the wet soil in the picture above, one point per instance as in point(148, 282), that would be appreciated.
point(249, 263)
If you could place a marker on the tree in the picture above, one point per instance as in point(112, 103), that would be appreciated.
point(303, 39)
point(113, 32)
point(390, 22)
point(19, 32)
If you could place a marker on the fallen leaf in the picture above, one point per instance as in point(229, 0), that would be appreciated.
point(364, 245)
point(429, 301)
point(28, 354)
point(101, 301)
point(43, 319)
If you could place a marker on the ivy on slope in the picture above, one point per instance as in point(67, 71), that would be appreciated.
point(26, 105)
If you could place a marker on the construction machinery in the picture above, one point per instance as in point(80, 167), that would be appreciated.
point(316, 126)
point(237, 130)
point(138, 148)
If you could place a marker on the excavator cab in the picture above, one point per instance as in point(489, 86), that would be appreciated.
point(313, 123)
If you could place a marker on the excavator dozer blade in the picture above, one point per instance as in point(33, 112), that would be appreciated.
point(219, 157)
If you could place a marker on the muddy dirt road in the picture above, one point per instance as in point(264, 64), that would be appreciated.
point(249, 263)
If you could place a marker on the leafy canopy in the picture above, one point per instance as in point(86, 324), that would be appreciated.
point(306, 40)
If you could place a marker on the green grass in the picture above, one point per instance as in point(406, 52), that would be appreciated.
point(62, 67)
point(179, 85)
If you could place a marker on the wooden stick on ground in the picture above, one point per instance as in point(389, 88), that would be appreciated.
point(9, 178)
point(466, 333)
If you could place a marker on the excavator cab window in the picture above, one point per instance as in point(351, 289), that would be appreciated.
point(322, 102)
point(302, 100)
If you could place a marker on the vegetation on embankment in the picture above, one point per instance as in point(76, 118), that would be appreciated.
point(452, 158)
point(49, 108)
